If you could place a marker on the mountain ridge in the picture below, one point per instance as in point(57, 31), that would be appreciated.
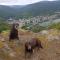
point(39, 8)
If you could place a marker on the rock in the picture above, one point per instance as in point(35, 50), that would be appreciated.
point(12, 54)
point(51, 37)
point(44, 32)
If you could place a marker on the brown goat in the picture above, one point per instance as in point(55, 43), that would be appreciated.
point(14, 32)
point(31, 45)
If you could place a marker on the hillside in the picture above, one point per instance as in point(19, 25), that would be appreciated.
point(47, 31)
point(14, 50)
point(40, 8)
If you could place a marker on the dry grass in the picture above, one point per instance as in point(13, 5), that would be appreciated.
point(50, 51)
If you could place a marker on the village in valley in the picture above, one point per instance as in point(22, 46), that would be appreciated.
point(30, 32)
point(35, 20)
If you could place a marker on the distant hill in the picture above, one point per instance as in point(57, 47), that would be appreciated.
point(40, 8)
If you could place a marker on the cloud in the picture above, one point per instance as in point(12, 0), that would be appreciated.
point(19, 2)
point(5, 1)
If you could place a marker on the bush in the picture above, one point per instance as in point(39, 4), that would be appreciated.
point(4, 26)
point(34, 28)
point(55, 26)
point(37, 28)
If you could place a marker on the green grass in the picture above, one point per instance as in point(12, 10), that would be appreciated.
point(55, 26)
point(4, 26)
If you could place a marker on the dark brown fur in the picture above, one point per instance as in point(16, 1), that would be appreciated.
point(14, 32)
point(33, 44)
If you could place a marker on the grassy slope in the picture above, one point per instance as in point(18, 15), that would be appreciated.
point(51, 48)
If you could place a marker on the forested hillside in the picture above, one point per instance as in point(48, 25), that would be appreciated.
point(40, 8)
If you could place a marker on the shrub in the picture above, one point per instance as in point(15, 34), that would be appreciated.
point(55, 26)
point(4, 26)
point(34, 28)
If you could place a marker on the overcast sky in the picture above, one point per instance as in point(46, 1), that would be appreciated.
point(19, 2)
